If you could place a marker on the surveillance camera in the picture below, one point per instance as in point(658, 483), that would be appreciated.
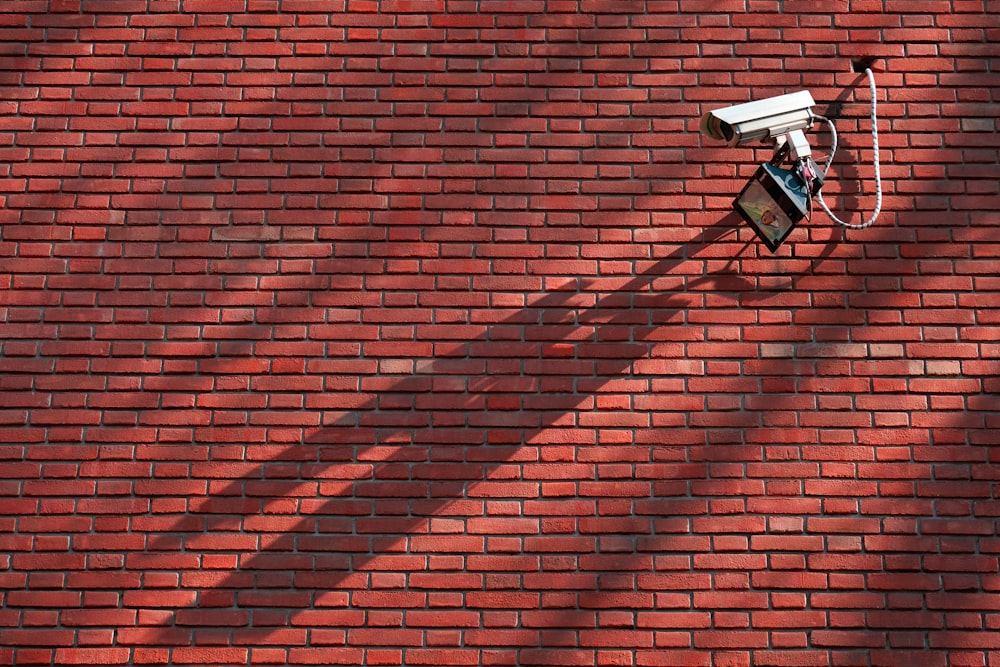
point(761, 120)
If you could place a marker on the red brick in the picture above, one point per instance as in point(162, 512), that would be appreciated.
point(434, 310)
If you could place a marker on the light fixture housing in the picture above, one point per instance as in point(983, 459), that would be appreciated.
point(772, 202)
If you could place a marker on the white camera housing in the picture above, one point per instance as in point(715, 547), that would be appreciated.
point(760, 120)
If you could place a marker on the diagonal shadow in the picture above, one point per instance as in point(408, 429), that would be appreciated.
point(520, 498)
point(336, 558)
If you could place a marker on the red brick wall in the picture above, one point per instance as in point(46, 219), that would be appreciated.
point(421, 332)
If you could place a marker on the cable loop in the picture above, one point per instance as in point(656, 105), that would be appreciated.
point(878, 173)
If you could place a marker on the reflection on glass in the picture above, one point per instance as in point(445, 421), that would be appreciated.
point(764, 214)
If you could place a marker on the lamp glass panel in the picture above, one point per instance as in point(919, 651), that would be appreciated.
point(764, 214)
point(772, 203)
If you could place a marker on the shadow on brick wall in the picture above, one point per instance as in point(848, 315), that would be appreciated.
point(393, 506)
point(578, 470)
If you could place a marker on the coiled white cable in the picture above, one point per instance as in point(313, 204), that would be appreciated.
point(878, 173)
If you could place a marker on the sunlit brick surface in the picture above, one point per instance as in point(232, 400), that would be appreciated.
point(421, 332)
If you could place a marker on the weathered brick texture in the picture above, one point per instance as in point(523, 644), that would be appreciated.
point(420, 332)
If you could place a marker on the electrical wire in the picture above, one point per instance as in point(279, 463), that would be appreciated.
point(878, 173)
